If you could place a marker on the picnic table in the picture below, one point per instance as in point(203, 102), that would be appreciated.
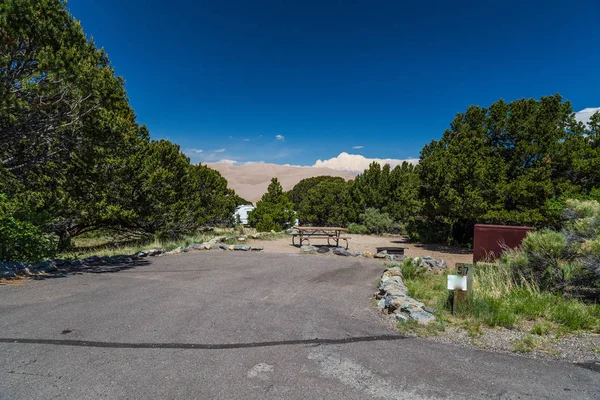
point(305, 233)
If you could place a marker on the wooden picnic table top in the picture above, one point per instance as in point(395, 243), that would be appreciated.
point(320, 228)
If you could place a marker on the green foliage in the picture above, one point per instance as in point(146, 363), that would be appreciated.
point(411, 269)
point(274, 211)
point(501, 300)
point(71, 152)
point(300, 191)
point(375, 221)
point(552, 259)
point(357, 229)
point(325, 204)
point(20, 239)
point(505, 164)
point(544, 251)
point(541, 328)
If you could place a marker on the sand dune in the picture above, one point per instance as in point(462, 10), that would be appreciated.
point(251, 181)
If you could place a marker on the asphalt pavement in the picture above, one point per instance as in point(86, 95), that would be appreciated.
point(229, 325)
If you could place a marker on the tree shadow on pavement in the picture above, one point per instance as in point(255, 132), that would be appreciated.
point(101, 267)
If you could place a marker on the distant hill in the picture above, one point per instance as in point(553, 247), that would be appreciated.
point(251, 181)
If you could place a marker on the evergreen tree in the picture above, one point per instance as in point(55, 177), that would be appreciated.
point(274, 211)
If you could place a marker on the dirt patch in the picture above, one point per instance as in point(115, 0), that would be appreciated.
point(369, 243)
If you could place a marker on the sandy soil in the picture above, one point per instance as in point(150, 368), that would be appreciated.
point(369, 243)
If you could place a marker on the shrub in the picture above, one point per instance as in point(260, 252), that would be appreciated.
point(21, 240)
point(543, 258)
point(375, 221)
point(357, 229)
point(411, 269)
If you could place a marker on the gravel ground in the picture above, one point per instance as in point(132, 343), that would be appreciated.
point(369, 243)
point(576, 348)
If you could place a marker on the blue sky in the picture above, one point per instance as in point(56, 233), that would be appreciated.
point(291, 82)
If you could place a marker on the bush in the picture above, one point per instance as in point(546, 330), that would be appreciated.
point(375, 221)
point(357, 229)
point(411, 269)
point(21, 240)
point(543, 258)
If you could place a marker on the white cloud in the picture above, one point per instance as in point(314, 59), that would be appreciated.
point(585, 114)
point(219, 151)
point(192, 152)
point(227, 162)
point(357, 163)
point(358, 147)
point(246, 140)
point(280, 137)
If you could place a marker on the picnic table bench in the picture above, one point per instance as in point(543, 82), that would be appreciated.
point(305, 233)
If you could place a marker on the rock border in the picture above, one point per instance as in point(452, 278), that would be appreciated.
point(393, 297)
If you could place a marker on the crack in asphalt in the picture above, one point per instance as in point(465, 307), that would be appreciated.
point(201, 346)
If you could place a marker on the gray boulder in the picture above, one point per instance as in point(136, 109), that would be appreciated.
point(223, 246)
point(195, 246)
point(241, 247)
point(257, 248)
point(342, 252)
point(323, 249)
point(422, 317)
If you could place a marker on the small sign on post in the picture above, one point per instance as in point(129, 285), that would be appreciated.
point(461, 284)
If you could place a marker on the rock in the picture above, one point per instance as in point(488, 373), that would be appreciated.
point(96, 259)
point(397, 303)
point(401, 317)
point(49, 268)
point(394, 278)
point(241, 239)
point(394, 289)
point(195, 246)
point(381, 303)
point(306, 249)
point(43, 264)
point(342, 252)
point(207, 245)
point(422, 317)
point(223, 246)
point(381, 254)
point(257, 248)
point(177, 250)
point(255, 235)
point(241, 247)
point(323, 249)
point(217, 239)
point(230, 247)
point(367, 254)
point(412, 306)
point(8, 274)
point(394, 271)
point(357, 253)
point(60, 262)
point(429, 310)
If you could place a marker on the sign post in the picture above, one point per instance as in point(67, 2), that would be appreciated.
point(462, 285)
